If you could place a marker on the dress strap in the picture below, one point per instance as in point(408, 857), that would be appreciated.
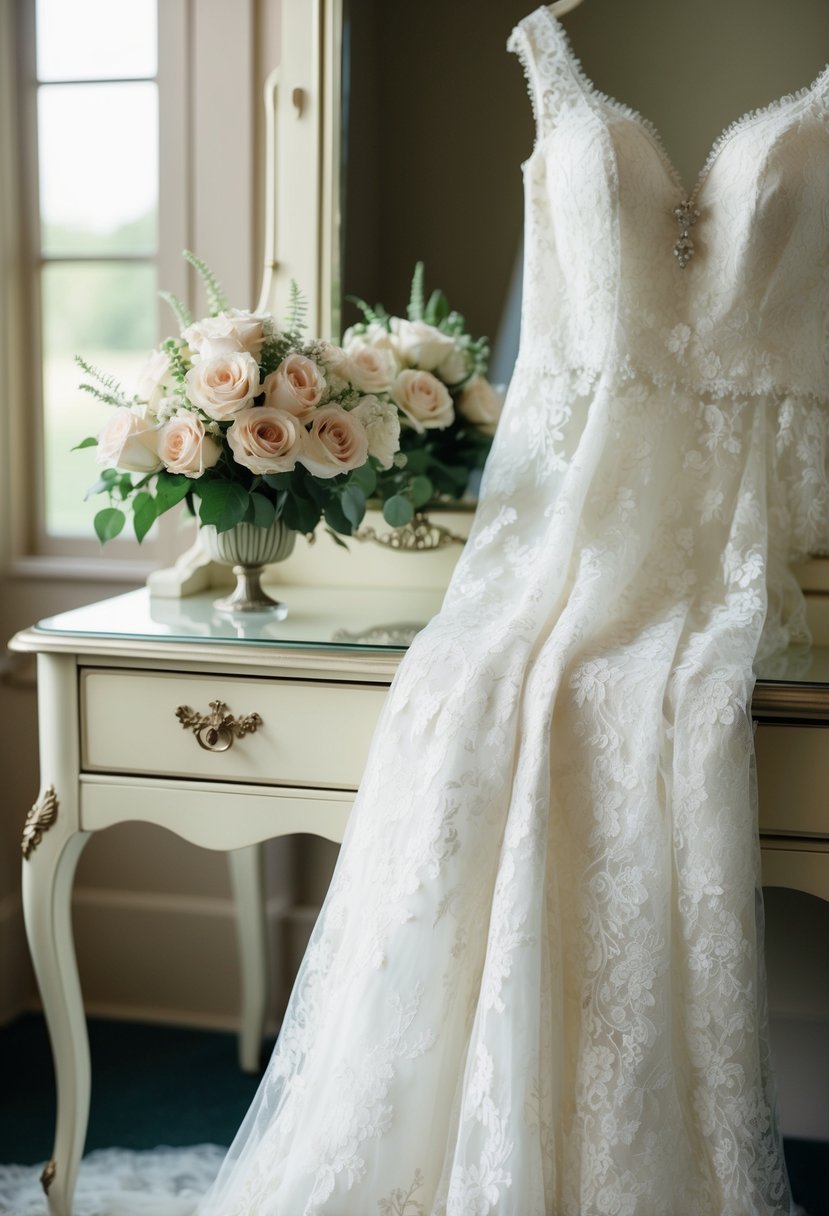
point(539, 43)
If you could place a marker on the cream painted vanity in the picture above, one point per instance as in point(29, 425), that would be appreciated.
point(229, 734)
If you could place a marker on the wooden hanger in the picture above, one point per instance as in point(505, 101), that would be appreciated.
point(563, 6)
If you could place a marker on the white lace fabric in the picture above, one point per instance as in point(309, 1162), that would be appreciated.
point(536, 986)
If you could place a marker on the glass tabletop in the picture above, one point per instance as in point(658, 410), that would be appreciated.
point(343, 618)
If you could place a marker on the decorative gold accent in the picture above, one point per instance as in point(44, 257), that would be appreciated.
point(216, 731)
point(39, 819)
point(419, 536)
point(48, 1175)
point(686, 216)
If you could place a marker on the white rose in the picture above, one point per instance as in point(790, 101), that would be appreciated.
point(155, 381)
point(235, 329)
point(375, 334)
point(454, 368)
point(223, 384)
point(266, 440)
point(419, 344)
point(423, 399)
point(336, 443)
point(371, 368)
point(185, 447)
point(382, 427)
point(128, 441)
point(481, 404)
point(297, 386)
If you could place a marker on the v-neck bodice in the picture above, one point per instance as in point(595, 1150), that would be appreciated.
point(749, 313)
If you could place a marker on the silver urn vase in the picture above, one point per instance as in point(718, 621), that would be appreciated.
point(248, 549)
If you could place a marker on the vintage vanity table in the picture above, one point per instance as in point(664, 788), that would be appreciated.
point(231, 733)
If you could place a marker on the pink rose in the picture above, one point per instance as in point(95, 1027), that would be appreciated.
point(297, 386)
point(129, 442)
point(424, 400)
point(234, 329)
point(336, 443)
point(371, 368)
point(223, 384)
point(185, 447)
point(266, 440)
point(481, 404)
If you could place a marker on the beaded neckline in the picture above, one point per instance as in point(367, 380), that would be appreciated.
point(725, 137)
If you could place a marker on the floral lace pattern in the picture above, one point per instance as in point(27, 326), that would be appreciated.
point(536, 984)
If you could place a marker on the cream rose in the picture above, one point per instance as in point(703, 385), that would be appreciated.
point(423, 399)
point(371, 368)
point(235, 329)
point(185, 447)
point(155, 381)
point(382, 427)
point(419, 344)
point(266, 440)
point(454, 368)
point(128, 441)
point(481, 404)
point(336, 443)
point(374, 334)
point(296, 386)
point(223, 384)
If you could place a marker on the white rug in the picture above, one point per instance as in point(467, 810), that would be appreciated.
point(120, 1182)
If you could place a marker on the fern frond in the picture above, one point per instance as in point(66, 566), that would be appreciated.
point(101, 395)
point(181, 311)
point(114, 392)
point(216, 299)
point(295, 321)
point(416, 302)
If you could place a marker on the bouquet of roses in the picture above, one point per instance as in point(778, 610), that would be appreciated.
point(434, 373)
point(246, 422)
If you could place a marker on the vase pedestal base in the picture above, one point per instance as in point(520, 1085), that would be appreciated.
point(248, 596)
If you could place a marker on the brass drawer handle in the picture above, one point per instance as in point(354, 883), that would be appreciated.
point(215, 732)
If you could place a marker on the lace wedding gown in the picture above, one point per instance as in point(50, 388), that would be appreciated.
point(536, 985)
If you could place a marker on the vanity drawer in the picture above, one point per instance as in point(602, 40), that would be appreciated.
point(792, 780)
point(312, 733)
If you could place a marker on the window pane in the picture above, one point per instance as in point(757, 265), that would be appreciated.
point(107, 315)
point(98, 159)
point(89, 39)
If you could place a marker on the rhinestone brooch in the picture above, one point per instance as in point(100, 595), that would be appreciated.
point(686, 216)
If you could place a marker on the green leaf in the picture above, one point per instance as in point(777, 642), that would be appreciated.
point(223, 504)
point(415, 309)
point(336, 518)
point(108, 523)
point(89, 442)
point(171, 488)
point(144, 514)
point(417, 460)
point(421, 490)
point(437, 309)
point(216, 299)
point(261, 511)
point(353, 503)
point(301, 515)
point(182, 312)
point(338, 540)
point(98, 487)
point(398, 511)
point(278, 481)
point(366, 478)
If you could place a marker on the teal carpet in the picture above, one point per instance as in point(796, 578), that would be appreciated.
point(156, 1085)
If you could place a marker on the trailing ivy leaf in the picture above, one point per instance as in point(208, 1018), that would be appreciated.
point(398, 511)
point(353, 503)
point(144, 514)
point(336, 518)
point(338, 540)
point(223, 504)
point(171, 488)
point(108, 523)
point(301, 515)
point(98, 487)
point(421, 490)
point(366, 478)
point(261, 511)
point(89, 442)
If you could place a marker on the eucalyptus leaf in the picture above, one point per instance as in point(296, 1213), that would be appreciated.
point(108, 523)
point(336, 518)
point(353, 503)
point(366, 478)
point(398, 511)
point(421, 490)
